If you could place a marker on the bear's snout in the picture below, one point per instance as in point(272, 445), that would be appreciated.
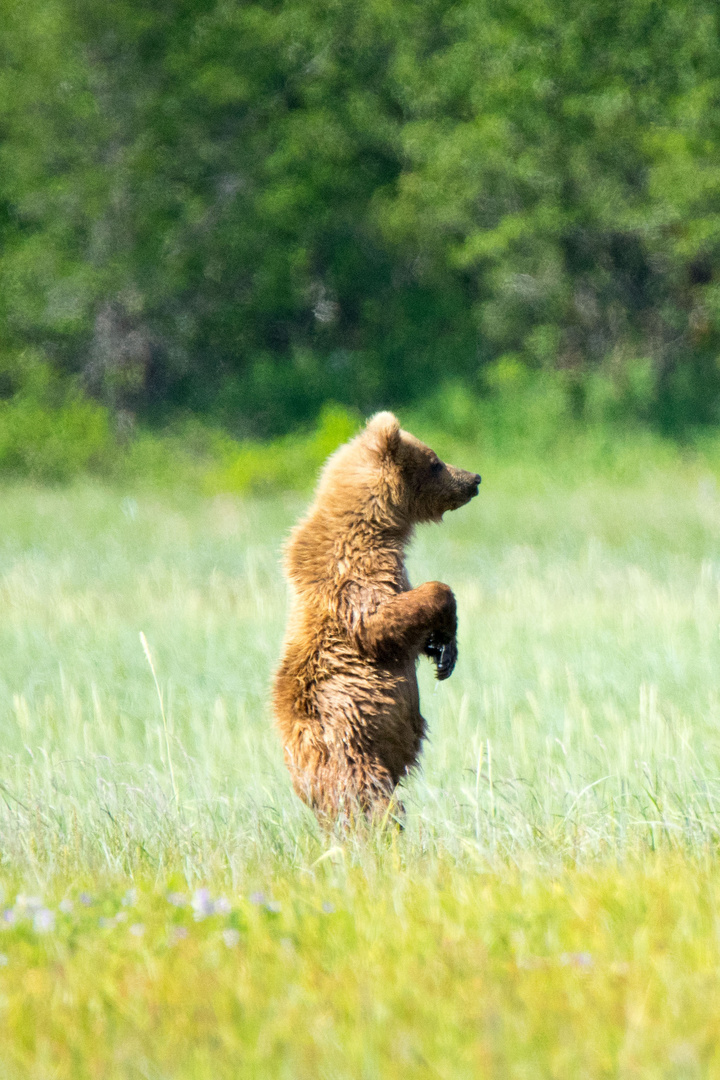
point(475, 482)
point(468, 483)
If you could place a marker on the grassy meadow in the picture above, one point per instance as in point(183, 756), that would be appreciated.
point(552, 909)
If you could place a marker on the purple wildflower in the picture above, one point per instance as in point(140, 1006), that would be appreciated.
point(578, 959)
point(202, 904)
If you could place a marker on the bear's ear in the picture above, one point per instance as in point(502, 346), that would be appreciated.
point(384, 430)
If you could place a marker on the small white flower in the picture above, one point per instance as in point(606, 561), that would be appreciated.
point(129, 898)
point(66, 906)
point(137, 929)
point(43, 920)
point(231, 938)
point(3, 960)
point(30, 904)
point(222, 906)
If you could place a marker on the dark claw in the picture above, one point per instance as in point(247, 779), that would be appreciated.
point(444, 656)
point(446, 662)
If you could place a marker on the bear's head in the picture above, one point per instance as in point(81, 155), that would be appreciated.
point(415, 484)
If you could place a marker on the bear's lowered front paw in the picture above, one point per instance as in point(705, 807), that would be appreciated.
point(443, 654)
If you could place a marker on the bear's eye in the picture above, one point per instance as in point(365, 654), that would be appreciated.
point(436, 467)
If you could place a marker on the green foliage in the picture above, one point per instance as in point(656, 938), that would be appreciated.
point(48, 430)
point(523, 414)
point(252, 209)
point(287, 463)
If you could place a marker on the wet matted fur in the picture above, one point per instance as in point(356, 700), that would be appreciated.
point(345, 696)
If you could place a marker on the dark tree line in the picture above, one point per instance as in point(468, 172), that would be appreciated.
point(249, 208)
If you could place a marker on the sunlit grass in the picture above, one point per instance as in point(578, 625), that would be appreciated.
point(549, 910)
point(376, 971)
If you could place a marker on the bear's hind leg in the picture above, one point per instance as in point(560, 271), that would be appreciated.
point(356, 791)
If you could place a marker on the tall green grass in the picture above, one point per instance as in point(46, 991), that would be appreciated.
point(582, 717)
point(549, 910)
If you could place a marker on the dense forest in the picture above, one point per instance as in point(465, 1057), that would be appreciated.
point(245, 209)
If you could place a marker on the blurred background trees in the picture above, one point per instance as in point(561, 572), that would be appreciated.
point(247, 209)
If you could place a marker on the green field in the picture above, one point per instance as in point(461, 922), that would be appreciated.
point(552, 908)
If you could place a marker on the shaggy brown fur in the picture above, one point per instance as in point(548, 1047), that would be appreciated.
point(346, 696)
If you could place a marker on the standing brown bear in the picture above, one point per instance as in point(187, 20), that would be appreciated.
point(346, 696)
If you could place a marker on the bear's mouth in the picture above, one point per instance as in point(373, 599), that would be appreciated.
point(461, 498)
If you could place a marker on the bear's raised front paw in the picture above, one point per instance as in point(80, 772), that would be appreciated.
point(444, 655)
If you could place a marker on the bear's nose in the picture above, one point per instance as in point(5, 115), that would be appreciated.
point(478, 479)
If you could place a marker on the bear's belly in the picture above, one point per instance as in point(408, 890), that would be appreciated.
point(372, 712)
